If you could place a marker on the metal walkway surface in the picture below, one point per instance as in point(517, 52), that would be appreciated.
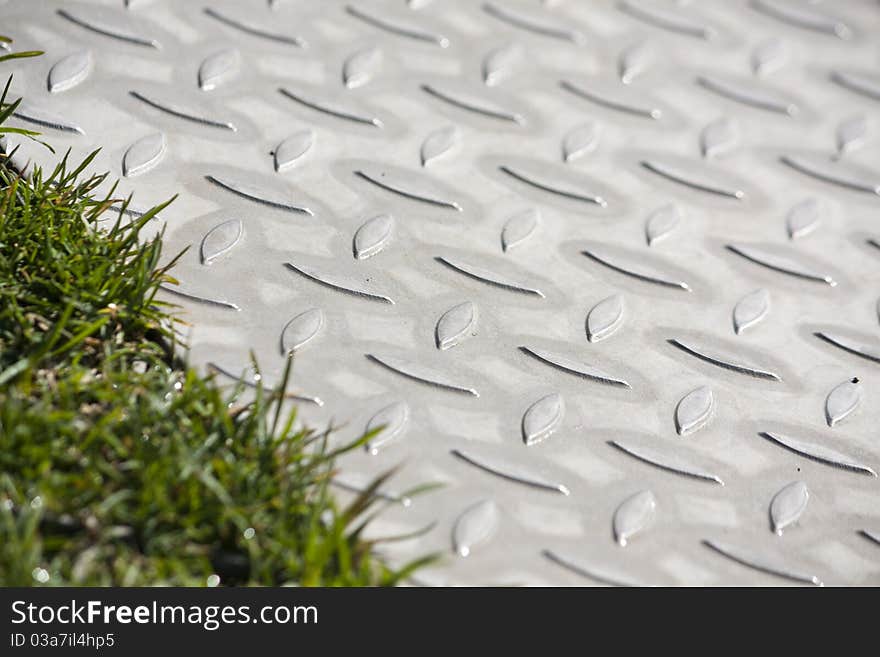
point(608, 271)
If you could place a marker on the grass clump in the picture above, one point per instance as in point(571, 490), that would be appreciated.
point(119, 464)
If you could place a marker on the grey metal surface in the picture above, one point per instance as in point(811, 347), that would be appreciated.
point(605, 270)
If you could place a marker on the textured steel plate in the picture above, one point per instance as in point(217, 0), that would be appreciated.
point(607, 270)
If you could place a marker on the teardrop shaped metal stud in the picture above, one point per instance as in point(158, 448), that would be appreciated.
point(605, 318)
point(372, 236)
point(661, 222)
point(455, 325)
point(750, 310)
point(499, 64)
point(633, 515)
point(143, 155)
point(634, 61)
point(289, 151)
point(217, 68)
point(852, 133)
point(768, 56)
point(579, 141)
point(361, 67)
point(438, 143)
point(804, 218)
point(390, 423)
point(842, 401)
point(694, 410)
point(220, 240)
point(475, 526)
point(788, 505)
point(70, 71)
point(301, 329)
point(518, 228)
point(542, 418)
point(719, 137)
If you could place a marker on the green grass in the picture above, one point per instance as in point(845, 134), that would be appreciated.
point(119, 464)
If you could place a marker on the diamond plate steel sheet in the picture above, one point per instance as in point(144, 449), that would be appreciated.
point(608, 271)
